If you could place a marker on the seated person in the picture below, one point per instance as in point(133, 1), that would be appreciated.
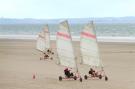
point(46, 56)
point(92, 72)
point(67, 73)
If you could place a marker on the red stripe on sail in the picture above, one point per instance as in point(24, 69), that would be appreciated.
point(63, 35)
point(89, 35)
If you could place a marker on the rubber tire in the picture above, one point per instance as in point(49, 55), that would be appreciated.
point(75, 78)
point(106, 78)
point(85, 77)
point(80, 79)
point(51, 58)
point(60, 78)
point(100, 76)
point(40, 58)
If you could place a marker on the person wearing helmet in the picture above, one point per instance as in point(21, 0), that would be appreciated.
point(92, 72)
point(67, 73)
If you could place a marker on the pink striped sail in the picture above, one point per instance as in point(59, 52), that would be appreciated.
point(89, 47)
point(66, 55)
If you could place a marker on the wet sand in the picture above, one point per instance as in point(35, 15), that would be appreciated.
point(19, 61)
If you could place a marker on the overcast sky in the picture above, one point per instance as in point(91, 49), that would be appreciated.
point(66, 8)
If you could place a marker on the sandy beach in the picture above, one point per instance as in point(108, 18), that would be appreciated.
point(19, 61)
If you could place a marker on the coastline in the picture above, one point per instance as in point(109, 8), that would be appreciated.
point(74, 38)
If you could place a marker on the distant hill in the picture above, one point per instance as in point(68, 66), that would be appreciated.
point(71, 20)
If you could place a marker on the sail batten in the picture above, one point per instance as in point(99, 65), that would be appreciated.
point(65, 49)
point(89, 47)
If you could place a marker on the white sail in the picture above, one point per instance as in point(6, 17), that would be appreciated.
point(65, 49)
point(47, 37)
point(43, 40)
point(89, 46)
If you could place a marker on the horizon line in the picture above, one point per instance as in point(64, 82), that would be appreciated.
point(69, 18)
